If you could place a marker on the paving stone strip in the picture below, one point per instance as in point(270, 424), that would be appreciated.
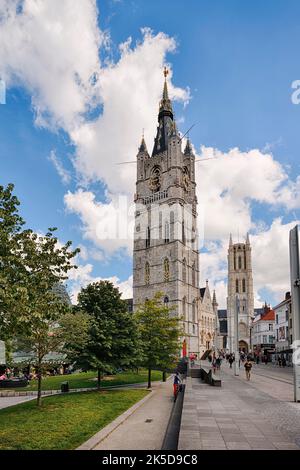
point(236, 416)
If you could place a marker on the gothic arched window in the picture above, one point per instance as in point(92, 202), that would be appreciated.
point(147, 273)
point(240, 262)
point(148, 237)
point(166, 270)
point(167, 232)
point(184, 309)
point(183, 232)
point(193, 275)
point(244, 285)
point(194, 311)
point(184, 270)
point(237, 286)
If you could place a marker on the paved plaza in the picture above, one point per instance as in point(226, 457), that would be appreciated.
point(146, 427)
point(240, 415)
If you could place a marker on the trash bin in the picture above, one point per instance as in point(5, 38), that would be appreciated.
point(64, 387)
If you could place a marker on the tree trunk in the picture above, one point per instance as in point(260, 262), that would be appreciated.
point(99, 379)
point(164, 376)
point(39, 395)
point(149, 378)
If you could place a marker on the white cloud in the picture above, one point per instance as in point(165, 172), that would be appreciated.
point(108, 225)
point(82, 276)
point(62, 172)
point(51, 48)
point(228, 185)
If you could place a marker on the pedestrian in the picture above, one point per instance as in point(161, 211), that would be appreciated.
point(283, 362)
point(248, 367)
point(230, 360)
point(176, 382)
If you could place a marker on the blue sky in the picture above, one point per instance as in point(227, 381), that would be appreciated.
point(236, 60)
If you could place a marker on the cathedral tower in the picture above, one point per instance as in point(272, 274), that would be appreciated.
point(165, 255)
point(240, 293)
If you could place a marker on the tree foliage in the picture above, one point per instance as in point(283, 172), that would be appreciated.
point(113, 341)
point(159, 332)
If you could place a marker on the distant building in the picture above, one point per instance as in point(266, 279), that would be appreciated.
point(283, 328)
point(223, 327)
point(208, 320)
point(222, 317)
point(129, 305)
point(240, 294)
point(263, 332)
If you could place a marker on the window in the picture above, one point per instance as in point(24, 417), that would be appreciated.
point(167, 232)
point(244, 285)
point(183, 232)
point(166, 301)
point(286, 315)
point(276, 319)
point(240, 262)
point(184, 270)
point(194, 311)
point(184, 308)
point(148, 237)
point(193, 329)
point(193, 275)
point(270, 327)
point(147, 273)
point(237, 286)
point(166, 270)
point(265, 339)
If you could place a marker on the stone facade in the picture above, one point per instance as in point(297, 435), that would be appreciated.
point(208, 321)
point(165, 255)
point(240, 293)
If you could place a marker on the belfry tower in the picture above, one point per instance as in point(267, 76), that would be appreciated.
point(240, 293)
point(165, 255)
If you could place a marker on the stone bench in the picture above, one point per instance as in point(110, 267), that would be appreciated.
point(209, 377)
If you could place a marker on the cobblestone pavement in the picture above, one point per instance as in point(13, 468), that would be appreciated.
point(239, 415)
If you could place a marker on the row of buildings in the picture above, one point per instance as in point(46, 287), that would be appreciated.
point(271, 331)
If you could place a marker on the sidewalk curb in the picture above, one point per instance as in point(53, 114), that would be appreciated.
point(10, 394)
point(91, 443)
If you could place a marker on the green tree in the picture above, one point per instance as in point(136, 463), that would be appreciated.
point(113, 341)
point(12, 269)
point(159, 333)
point(46, 263)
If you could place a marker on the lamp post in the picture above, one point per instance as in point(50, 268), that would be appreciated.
point(295, 293)
point(236, 336)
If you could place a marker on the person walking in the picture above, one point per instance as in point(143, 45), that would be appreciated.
point(248, 367)
point(230, 360)
point(176, 382)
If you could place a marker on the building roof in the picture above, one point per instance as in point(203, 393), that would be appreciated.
point(269, 316)
point(202, 291)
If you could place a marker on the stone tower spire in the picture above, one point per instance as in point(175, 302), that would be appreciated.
point(188, 148)
point(165, 121)
point(165, 253)
point(240, 292)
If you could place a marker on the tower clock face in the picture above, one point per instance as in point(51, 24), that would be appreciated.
point(155, 180)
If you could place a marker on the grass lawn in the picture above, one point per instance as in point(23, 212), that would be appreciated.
point(85, 380)
point(63, 421)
